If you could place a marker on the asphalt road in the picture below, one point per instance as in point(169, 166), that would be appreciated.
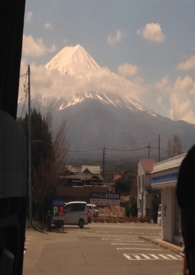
point(99, 249)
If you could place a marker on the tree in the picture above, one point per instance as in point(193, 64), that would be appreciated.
point(174, 146)
point(49, 149)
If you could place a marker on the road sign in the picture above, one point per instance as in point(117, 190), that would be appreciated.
point(58, 210)
point(100, 198)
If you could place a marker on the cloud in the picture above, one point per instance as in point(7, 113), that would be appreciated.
point(28, 16)
point(115, 38)
point(152, 32)
point(187, 65)
point(48, 26)
point(53, 84)
point(35, 47)
point(66, 40)
point(127, 70)
point(181, 98)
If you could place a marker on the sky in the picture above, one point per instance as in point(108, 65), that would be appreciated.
point(149, 43)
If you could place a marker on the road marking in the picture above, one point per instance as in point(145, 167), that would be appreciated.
point(134, 248)
point(130, 243)
point(122, 239)
point(145, 257)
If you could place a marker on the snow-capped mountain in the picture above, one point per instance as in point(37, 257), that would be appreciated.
point(107, 99)
point(72, 60)
point(96, 118)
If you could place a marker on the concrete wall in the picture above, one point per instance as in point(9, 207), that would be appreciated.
point(168, 214)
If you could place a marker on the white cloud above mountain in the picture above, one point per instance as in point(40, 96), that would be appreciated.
point(152, 32)
point(181, 97)
point(35, 47)
point(127, 70)
point(115, 38)
point(188, 64)
point(174, 98)
point(48, 26)
point(28, 16)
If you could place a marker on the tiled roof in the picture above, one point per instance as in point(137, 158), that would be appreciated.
point(147, 164)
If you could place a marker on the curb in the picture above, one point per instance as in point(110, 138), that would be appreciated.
point(163, 244)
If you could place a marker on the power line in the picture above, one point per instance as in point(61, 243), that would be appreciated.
point(109, 149)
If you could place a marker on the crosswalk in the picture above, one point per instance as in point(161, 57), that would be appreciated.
point(141, 257)
point(135, 249)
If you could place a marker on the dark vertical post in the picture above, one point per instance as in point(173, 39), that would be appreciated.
point(29, 149)
point(103, 162)
point(159, 148)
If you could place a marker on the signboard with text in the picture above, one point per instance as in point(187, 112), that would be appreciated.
point(58, 210)
point(105, 199)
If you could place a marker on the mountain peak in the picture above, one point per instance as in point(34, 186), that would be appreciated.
point(72, 60)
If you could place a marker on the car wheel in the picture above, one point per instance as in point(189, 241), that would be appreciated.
point(81, 223)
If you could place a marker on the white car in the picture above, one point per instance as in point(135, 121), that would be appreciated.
point(75, 213)
point(93, 210)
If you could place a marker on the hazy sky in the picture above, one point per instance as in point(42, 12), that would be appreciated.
point(151, 43)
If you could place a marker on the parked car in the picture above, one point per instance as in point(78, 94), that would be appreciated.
point(76, 213)
point(93, 210)
point(159, 215)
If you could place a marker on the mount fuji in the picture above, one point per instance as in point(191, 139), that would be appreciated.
point(72, 60)
point(96, 118)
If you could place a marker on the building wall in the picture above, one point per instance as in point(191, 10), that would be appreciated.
point(164, 177)
point(144, 198)
point(167, 213)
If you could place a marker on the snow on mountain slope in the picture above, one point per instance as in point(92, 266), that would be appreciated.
point(72, 60)
point(108, 99)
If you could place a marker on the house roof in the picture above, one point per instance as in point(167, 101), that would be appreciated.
point(147, 164)
point(94, 169)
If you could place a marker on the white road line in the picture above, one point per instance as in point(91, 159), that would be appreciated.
point(147, 257)
point(175, 257)
point(134, 248)
point(163, 256)
point(154, 256)
point(137, 257)
point(132, 244)
point(121, 239)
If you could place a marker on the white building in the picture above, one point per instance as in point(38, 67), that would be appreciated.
point(164, 177)
point(144, 198)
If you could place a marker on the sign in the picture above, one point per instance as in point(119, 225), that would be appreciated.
point(58, 210)
point(100, 198)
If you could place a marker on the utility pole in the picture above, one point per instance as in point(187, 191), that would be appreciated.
point(29, 149)
point(149, 147)
point(103, 162)
point(159, 148)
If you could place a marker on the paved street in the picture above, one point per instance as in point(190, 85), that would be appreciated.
point(100, 249)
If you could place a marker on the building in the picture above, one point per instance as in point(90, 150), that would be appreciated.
point(164, 178)
point(93, 169)
point(77, 184)
point(144, 196)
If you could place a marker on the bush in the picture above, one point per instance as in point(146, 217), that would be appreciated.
point(144, 219)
